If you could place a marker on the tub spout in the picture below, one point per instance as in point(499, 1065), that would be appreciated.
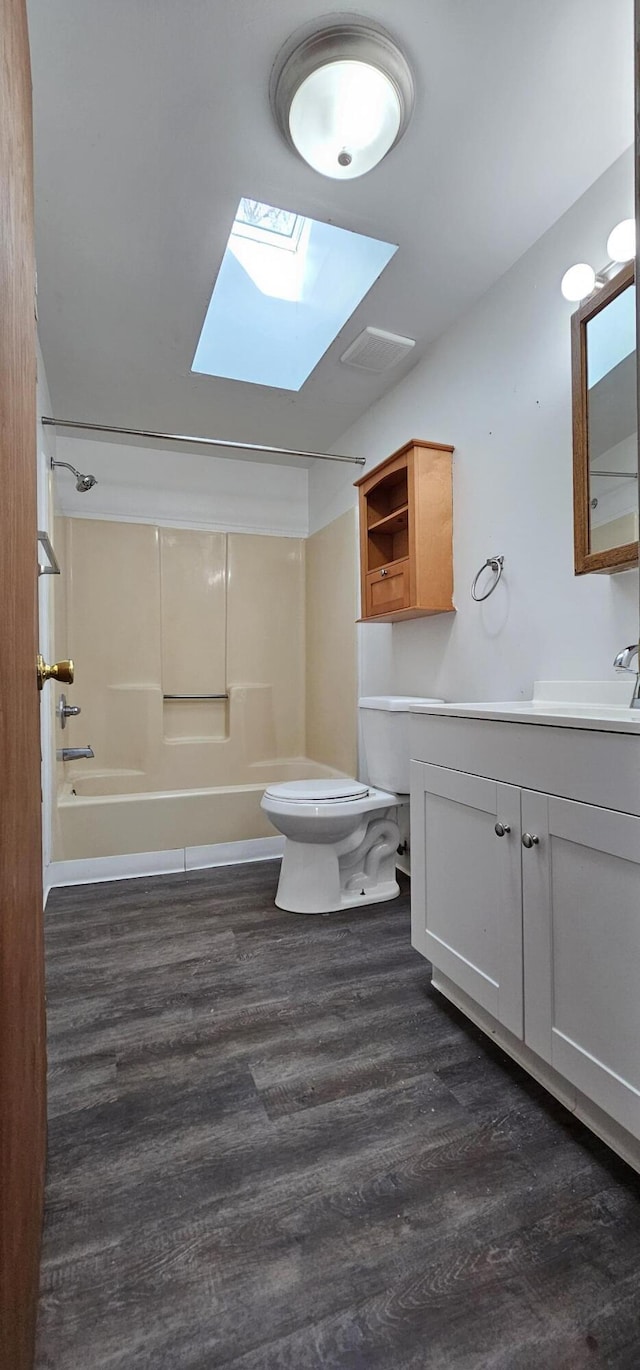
point(74, 753)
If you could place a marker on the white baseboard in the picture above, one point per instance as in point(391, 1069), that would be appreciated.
point(95, 869)
point(234, 853)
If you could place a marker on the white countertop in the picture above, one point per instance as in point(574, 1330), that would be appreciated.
point(602, 706)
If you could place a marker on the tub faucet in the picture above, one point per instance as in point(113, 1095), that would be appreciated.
point(74, 753)
point(65, 711)
point(623, 663)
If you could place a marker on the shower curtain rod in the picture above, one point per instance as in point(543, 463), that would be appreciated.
point(203, 442)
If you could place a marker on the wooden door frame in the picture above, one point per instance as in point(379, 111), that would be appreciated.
point(22, 1017)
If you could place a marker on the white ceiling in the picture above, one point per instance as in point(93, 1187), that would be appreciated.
point(152, 119)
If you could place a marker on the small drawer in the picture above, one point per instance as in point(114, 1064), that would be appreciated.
point(388, 589)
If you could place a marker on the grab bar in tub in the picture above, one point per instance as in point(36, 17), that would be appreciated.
point(195, 697)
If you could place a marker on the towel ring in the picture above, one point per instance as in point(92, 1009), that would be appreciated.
point(495, 564)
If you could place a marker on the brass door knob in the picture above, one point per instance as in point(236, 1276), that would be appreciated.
point(61, 670)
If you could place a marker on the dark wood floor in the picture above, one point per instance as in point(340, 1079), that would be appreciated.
point(273, 1146)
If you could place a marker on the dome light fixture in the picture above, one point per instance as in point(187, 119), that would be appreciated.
point(342, 97)
point(621, 243)
point(578, 282)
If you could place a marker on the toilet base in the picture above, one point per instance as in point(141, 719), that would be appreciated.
point(317, 877)
point(390, 889)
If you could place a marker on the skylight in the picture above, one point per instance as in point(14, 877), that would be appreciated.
point(286, 287)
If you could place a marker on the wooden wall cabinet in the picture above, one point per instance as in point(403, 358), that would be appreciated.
point(406, 534)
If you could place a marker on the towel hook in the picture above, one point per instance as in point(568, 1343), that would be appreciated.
point(494, 564)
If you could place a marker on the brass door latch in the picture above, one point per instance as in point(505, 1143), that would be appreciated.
point(61, 671)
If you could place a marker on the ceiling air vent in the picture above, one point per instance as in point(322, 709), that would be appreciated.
point(375, 350)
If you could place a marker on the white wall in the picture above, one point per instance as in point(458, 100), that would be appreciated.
point(195, 489)
point(497, 386)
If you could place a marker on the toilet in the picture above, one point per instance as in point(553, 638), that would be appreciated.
point(341, 836)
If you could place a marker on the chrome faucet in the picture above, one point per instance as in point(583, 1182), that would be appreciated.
point(74, 753)
point(623, 663)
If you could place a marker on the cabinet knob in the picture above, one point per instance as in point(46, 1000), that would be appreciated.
point(501, 829)
point(384, 571)
point(529, 840)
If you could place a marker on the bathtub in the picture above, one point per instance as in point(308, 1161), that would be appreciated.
point(110, 813)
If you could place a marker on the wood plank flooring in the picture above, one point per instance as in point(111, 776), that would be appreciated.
point(272, 1146)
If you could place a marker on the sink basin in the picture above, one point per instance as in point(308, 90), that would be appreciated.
point(603, 705)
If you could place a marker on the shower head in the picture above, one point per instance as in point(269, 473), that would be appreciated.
point(83, 483)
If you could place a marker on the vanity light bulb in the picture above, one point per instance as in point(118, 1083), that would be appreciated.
point(578, 281)
point(621, 243)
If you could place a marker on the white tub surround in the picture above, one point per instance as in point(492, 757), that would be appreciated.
point(525, 835)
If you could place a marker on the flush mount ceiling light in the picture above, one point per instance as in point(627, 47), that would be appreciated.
point(342, 97)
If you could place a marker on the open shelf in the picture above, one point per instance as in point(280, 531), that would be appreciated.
point(391, 565)
point(387, 517)
point(392, 523)
point(385, 547)
point(388, 497)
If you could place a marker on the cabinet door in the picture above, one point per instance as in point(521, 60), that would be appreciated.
point(581, 888)
point(466, 887)
point(388, 589)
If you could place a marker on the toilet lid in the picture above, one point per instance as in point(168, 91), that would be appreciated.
point(317, 791)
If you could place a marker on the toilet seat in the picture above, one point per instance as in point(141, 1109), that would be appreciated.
point(317, 791)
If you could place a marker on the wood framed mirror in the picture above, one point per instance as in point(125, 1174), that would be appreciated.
point(605, 428)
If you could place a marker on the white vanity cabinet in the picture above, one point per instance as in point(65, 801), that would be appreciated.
point(527, 902)
point(467, 885)
point(581, 918)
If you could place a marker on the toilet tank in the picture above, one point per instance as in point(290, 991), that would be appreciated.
point(384, 721)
